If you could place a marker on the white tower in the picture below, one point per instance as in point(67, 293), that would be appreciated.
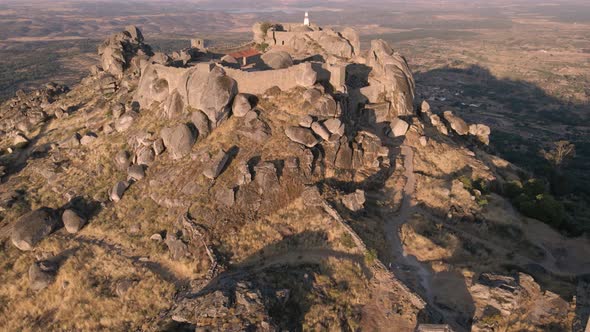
point(306, 19)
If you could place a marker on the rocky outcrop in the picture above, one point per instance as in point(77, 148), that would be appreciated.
point(390, 79)
point(116, 53)
point(481, 131)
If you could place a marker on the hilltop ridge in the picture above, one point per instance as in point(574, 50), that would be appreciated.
point(294, 184)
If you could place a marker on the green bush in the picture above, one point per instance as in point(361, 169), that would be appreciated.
point(371, 256)
point(512, 189)
point(534, 201)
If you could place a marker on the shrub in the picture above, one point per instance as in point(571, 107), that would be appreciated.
point(533, 200)
point(512, 189)
point(371, 256)
point(265, 26)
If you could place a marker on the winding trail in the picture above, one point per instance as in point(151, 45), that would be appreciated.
point(401, 259)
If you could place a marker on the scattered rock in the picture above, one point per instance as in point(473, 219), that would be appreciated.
point(33, 227)
point(266, 178)
point(156, 237)
point(217, 95)
point(302, 136)
point(177, 248)
point(136, 172)
point(88, 139)
point(73, 222)
point(399, 127)
point(41, 275)
point(244, 176)
point(117, 110)
point(145, 155)
point(20, 141)
point(118, 190)
point(122, 160)
point(71, 142)
point(241, 105)
point(216, 165)
point(158, 146)
point(125, 121)
point(456, 123)
point(423, 140)
point(481, 131)
point(354, 201)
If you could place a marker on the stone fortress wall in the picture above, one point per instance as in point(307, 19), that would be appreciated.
point(256, 82)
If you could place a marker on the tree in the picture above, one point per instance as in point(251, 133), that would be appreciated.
point(559, 153)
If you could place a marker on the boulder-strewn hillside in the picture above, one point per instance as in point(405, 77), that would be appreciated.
point(159, 195)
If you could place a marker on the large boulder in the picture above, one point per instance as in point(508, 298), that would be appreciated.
point(217, 95)
point(457, 124)
point(302, 136)
point(277, 59)
point(33, 227)
point(178, 140)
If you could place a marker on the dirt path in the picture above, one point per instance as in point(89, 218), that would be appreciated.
point(401, 260)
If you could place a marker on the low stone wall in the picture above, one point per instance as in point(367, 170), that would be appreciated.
point(159, 81)
point(257, 82)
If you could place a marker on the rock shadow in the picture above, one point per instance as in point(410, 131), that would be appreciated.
point(279, 278)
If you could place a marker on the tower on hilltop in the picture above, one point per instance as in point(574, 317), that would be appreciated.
point(306, 19)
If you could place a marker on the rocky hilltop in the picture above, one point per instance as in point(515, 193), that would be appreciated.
point(281, 186)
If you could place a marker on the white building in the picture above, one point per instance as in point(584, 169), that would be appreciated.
point(306, 19)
